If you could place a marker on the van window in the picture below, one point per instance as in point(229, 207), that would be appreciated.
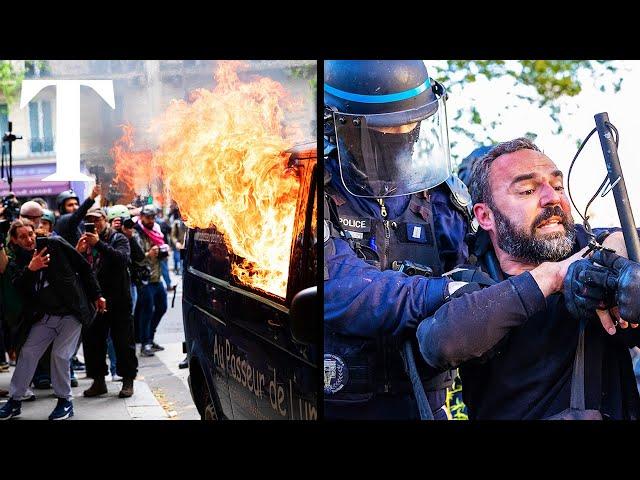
point(209, 253)
point(211, 256)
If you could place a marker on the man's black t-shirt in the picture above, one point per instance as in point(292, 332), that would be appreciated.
point(529, 375)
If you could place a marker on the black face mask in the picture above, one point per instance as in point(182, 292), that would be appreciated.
point(393, 151)
point(373, 163)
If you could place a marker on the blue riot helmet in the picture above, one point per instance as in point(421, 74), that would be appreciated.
point(388, 120)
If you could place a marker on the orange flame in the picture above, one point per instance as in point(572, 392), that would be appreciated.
point(223, 160)
point(134, 169)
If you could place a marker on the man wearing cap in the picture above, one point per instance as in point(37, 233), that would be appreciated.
point(152, 299)
point(107, 251)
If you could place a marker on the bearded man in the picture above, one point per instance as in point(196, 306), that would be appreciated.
point(524, 350)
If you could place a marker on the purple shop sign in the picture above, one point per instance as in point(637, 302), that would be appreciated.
point(33, 187)
point(39, 171)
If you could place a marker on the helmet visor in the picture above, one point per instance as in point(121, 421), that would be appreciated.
point(393, 154)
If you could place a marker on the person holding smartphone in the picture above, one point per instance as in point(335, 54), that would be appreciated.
point(108, 253)
point(60, 294)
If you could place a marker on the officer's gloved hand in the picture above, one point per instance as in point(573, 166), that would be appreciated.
point(588, 287)
point(627, 284)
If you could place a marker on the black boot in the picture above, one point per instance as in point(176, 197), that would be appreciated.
point(184, 363)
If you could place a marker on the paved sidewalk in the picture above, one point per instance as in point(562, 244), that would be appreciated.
point(143, 405)
point(161, 388)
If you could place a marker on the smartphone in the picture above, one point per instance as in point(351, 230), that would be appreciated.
point(89, 227)
point(41, 242)
point(4, 227)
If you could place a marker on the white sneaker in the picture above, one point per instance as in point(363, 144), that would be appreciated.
point(116, 378)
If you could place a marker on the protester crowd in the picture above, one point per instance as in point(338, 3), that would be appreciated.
point(81, 276)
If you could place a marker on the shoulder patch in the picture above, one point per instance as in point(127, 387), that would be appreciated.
point(461, 198)
point(459, 191)
point(336, 373)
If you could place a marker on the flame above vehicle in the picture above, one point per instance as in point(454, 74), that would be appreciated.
point(222, 156)
point(134, 168)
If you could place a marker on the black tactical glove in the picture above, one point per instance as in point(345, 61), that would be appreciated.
point(587, 287)
point(627, 285)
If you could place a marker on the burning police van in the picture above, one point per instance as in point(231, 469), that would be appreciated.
point(224, 155)
point(251, 332)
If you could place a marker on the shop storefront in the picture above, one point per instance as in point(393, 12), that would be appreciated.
point(28, 183)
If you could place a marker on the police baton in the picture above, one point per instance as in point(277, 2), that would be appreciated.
point(616, 180)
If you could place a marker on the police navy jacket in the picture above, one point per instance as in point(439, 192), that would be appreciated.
point(516, 349)
point(361, 300)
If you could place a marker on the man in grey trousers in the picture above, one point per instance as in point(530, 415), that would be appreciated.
point(59, 291)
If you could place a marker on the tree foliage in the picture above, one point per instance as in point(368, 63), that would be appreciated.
point(12, 73)
point(307, 72)
point(11, 77)
point(544, 84)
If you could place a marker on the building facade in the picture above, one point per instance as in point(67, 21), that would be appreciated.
point(142, 89)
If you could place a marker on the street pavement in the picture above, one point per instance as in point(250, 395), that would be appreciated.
point(161, 390)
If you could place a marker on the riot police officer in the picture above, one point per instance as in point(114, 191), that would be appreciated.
point(390, 204)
